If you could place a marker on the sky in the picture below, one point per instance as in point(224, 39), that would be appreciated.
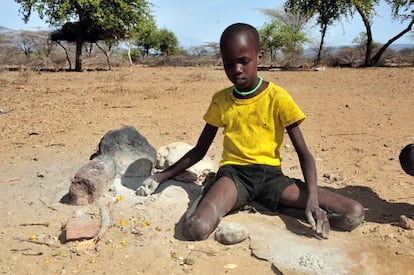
point(198, 22)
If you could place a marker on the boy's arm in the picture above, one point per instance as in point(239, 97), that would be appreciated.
point(307, 164)
point(191, 157)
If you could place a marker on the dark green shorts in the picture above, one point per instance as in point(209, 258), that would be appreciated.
point(260, 183)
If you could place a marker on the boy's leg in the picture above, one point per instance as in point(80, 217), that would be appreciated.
point(204, 216)
point(343, 213)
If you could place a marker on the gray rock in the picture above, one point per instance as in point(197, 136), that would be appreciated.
point(231, 233)
point(169, 154)
point(131, 151)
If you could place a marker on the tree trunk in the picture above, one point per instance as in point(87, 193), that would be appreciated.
point(129, 52)
point(78, 60)
point(108, 58)
point(323, 33)
point(79, 47)
point(375, 59)
point(367, 25)
point(67, 55)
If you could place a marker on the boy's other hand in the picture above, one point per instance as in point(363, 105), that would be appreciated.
point(149, 185)
point(321, 226)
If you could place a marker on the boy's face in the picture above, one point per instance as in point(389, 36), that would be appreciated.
point(240, 60)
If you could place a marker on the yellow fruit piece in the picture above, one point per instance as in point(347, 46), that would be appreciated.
point(32, 237)
point(123, 222)
point(145, 223)
point(123, 243)
point(119, 198)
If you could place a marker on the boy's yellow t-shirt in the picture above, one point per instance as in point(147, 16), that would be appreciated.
point(253, 128)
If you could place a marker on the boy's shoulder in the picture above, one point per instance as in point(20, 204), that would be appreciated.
point(223, 92)
point(275, 87)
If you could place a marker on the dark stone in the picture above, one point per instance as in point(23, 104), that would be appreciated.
point(131, 151)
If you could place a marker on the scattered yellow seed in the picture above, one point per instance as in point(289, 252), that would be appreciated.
point(145, 223)
point(119, 198)
point(123, 243)
point(32, 237)
point(47, 261)
point(123, 222)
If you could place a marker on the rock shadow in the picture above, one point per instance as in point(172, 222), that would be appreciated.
point(136, 173)
point(194, 191)
point(377, 209)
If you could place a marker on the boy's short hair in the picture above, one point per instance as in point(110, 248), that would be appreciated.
point(238, 28)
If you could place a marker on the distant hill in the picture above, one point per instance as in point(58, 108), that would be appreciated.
point(4, 29)
point(309, 52)
point(399, 47)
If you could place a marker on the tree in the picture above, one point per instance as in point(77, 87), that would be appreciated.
point(270, 38)
point(168, 42)
point(404, 11)
point(285, 32)
point(83, 21)
point(9, 50)
point(27, 43)
point(107, 50)
point(330, 11)
point(365, 9)
point(36, 46)
point(401, 9)
point(326, 13)
point(149, 37)
point(146, 37)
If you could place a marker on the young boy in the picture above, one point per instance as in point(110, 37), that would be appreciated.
point(254, 114)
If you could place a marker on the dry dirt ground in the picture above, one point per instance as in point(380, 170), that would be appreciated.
point(50, 123)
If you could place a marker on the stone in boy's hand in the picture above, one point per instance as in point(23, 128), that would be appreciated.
point(321, 226)
point(148, 187)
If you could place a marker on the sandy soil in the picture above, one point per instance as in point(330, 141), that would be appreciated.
point(358, 121)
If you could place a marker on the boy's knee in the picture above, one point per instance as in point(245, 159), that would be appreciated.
point(355, 216)
point(349, 220)
point(196, 229)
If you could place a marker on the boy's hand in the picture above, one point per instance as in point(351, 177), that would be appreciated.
point(321, 226)
point(148, 187)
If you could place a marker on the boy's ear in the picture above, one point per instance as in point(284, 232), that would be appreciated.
point(259, 56)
